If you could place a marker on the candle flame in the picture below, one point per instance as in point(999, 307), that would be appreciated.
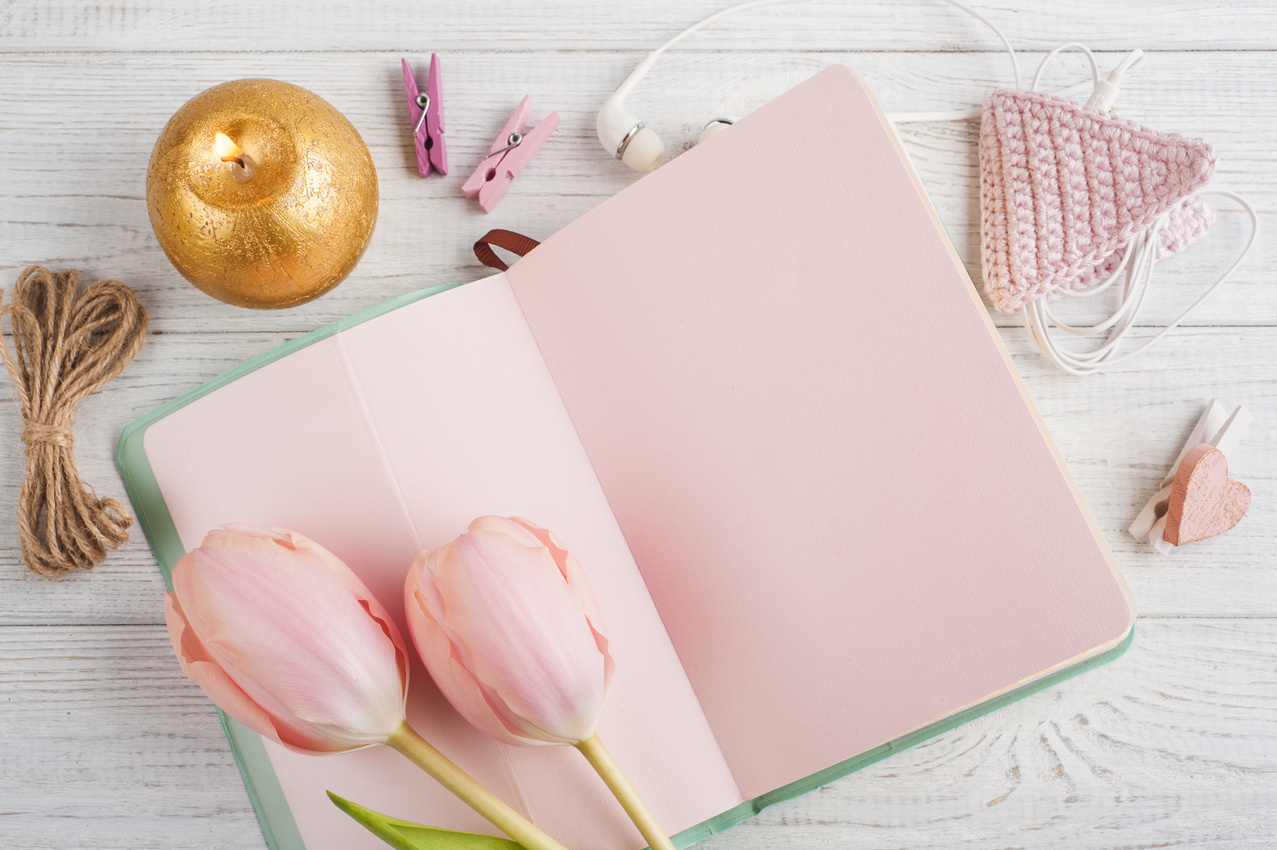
point(226, 149)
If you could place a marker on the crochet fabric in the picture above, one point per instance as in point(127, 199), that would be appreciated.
point(1064, 188)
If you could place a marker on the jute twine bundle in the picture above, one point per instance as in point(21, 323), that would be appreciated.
point(65, 349)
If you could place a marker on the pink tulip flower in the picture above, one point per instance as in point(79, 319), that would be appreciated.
point(282, 636)
point(508, 627)
point(287, 640)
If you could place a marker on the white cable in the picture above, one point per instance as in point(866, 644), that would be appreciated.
point(975, 112)
point(754, 4)
point(1068, 45)
point(1077, 88)
point(972, 113)
point(895, 117)
point(1137, 269)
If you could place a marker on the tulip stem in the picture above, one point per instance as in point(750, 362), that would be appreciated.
point(603, 763)
point(466, 787)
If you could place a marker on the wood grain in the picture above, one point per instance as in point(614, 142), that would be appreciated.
point(327, 25)
point(105, 745)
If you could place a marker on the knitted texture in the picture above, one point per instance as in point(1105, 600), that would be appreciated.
point(1064, 188)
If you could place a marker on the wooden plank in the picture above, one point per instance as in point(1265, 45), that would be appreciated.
point(1118, 432)
point(106, 745)
point(239, 25)
point(72, 179)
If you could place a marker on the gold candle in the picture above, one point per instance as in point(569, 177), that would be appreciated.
point(261, 193)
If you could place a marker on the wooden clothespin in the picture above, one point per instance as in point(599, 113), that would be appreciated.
point(425, 111)
point(508, 156)
point(1217, 427)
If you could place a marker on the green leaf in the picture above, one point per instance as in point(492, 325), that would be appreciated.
point(406, 835)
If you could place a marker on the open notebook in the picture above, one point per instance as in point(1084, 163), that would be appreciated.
point(758, 397)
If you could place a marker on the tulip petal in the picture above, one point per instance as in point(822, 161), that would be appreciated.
point(287, 628)
point(233, 529)
point(455, 681)
point(570, 567)
point(520, 530)
point(203, 671)
point(338, 570)
point(515, 625)
point(391, 631)
point(436, 647)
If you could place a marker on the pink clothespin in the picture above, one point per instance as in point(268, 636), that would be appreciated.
point(509, 155)
point(426, 113)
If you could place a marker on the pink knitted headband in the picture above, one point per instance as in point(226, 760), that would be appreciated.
point(1064, 188)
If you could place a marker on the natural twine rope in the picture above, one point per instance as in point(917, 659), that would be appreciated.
point(65, 349)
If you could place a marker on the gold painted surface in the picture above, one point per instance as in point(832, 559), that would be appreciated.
point(293, 231)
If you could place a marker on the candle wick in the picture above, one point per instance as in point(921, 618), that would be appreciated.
point(243, 168)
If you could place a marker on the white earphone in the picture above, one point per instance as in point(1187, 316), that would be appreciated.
point(632, 141)
point(639, 147)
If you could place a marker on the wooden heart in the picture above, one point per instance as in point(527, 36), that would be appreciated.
point(1204, 500)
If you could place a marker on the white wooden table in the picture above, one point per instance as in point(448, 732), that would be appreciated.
point(103, 743)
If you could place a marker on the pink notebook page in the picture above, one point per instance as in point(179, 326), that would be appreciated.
point(392, 436)
point(839, 494)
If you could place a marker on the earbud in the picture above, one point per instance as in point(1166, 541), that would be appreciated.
point(622, 134)
point(629, 139)
point(713, 128)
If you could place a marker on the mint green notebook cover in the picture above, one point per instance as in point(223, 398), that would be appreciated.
point(263, 787)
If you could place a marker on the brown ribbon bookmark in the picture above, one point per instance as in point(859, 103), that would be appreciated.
point(515, 243)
